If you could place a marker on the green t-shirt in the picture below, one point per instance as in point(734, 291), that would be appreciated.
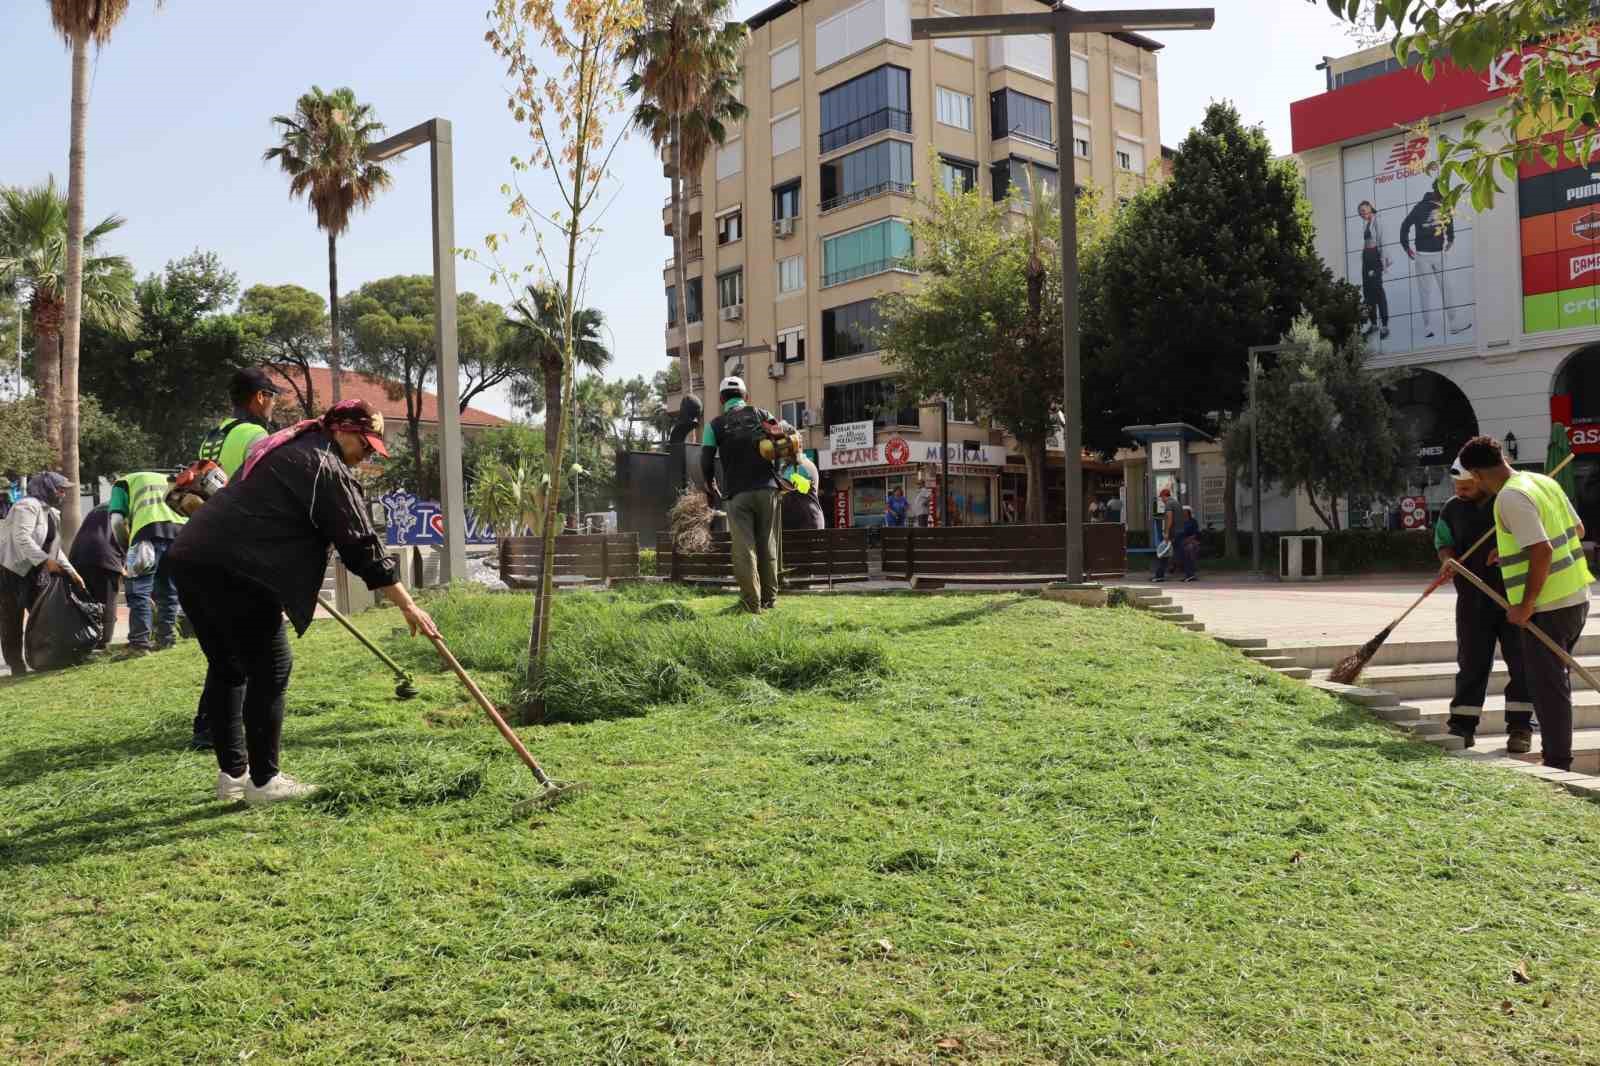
point(710, 434)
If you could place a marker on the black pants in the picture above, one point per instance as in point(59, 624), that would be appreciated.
point(1480, 626)
point(240, 628)
point(1549, 681)
point(1372, 293)
point(217, 693)
point(16, 595)
point(103, 586)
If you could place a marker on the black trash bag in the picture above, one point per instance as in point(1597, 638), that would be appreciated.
point(64, 625)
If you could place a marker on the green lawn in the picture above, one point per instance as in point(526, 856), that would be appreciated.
point(1009, 832)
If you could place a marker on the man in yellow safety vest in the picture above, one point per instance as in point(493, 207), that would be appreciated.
point(141, 498)
point(1538, 538)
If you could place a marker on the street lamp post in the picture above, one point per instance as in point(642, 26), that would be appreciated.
point(1059, 24)
point(435, 133)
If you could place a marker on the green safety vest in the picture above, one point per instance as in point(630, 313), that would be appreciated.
point(1569, 570)
point(147, 502)
point(229, 443)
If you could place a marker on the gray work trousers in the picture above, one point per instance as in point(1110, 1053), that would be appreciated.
point(753, 521)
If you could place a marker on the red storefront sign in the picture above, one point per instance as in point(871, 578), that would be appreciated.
point(841, 509)
point(1585, 436)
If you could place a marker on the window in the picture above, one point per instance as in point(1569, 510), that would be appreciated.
point(1030, 54)
point(858, 401)
point(792, 274)
point(866, 172)
point(793, 412)
point(785, 64)
point(1080, 73)
point(876, 101)
point(872, 249)
point(730, 159)
point(962, 410)
point(956, 46)
point(849, 329)
point(954, 109)
point(861, 27)
point(694, 303)
point(1130, 155)
point(730, 227)
point(957, 176)
point(730, 289)
point(786, 201)
point(1125, 89)
point(1017, 114)
point(1080, 139)
point(1022, 173)
point(786, 133)
point(791, 347)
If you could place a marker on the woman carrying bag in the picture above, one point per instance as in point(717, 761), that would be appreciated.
point(29, 547)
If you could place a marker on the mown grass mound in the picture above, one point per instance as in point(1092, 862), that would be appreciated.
point(399, 776)
point(617, 654)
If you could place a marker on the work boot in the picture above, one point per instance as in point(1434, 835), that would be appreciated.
point(281, 788)
point(1463, 726)
point(1519, 741)
point(231, 789)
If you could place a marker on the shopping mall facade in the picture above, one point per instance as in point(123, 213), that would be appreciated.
point(1491, 318)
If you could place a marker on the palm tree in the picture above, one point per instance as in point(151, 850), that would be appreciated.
point(79, 22)
point(323, 149)
point(34, 255)
point(685, 60)
point(539, 321)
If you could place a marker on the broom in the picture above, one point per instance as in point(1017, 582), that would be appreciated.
point(1349, 668)
point(690, 519)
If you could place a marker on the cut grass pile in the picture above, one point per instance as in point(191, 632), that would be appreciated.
point(1045, 835)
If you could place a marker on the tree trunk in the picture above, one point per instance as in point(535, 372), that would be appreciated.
point(72, 328)
point(1033, 453)
point(1311, 497)
point(414, 435)
point(334, 341)
point(47, 371)
point(680, 251)
point(308, 401)
point(1230, 510)
point(552, 410)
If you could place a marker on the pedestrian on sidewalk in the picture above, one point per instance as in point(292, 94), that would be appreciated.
point(1480, 622)
point(921, 505)
point(30, 547)
point(99, 554)
point(1189, 544)
point(256, 551)
point(1166, 529)
point(1538, 538)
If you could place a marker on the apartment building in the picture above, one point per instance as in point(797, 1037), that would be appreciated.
point(799, 222)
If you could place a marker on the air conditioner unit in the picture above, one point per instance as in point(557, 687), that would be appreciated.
point(783, 227)
point(733, 313)
point(777, 370)
point(808, 419)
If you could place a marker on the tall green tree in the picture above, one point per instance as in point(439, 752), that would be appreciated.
point(34, 223)
point(496, 354)
point(322, 148)
point(1195, 271)
point(540, 325)
point(80, 23)
point(288, 332)
point(169, 376)
point(685, 59)
point(1325, 427)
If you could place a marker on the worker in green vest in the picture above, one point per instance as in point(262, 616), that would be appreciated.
point(253, 394)
point(1538, 540)
point(141, 498)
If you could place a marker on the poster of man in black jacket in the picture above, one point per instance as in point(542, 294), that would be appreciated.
point(1435, 234)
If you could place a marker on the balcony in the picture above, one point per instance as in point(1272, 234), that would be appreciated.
point(694, 194)
point(864, 270)
point(888, 118)
point(694, 206)
point(880, 189)
point(1025, 137)
point(693, 253)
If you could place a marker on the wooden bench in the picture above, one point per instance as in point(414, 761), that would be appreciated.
point(593, 558)
point(998, 555)
point(808, 557)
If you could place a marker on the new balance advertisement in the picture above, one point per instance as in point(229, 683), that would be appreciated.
point(1412, 262)
point(1560, 211)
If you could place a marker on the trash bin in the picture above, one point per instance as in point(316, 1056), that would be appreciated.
point(1300, 558)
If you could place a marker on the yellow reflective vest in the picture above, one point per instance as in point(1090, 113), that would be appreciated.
point(1569, 570)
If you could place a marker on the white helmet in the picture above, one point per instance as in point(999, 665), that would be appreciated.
point(733, 384)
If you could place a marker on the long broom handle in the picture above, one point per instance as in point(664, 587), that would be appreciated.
point(362, 637)
point(494, 715)
point(1439, 581)
point(1544, 638)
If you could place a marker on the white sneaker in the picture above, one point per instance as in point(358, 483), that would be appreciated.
point(231, 789)
point(281, 788)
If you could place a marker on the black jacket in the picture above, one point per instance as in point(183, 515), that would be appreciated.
point(736, 433)
point(1466, 522)
point(274, 527)
point(95, 547)
point(1424, 218)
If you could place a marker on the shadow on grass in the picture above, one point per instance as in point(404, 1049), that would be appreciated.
point(110, 831)
point(961, 618)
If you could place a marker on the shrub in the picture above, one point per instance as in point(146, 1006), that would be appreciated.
point(647, 562)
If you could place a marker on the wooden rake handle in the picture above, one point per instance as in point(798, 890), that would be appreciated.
point(494, 715)
point(1544, 638)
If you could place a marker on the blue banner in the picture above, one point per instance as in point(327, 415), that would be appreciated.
point(414, 522)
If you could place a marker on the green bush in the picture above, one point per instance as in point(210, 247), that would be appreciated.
point(647, 562)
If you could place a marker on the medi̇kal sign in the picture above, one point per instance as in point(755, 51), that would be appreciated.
point(897, 451)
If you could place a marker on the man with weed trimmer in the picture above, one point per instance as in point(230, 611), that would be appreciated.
point(1480, 622)
point(750, 444)
point(256, 551)
point(1538, 540)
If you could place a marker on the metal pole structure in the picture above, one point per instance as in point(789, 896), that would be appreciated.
point(1255, 473)
point(436, 134)
point(1071, 371)
point(944, 462)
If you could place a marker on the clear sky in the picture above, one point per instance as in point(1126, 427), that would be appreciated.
point(182, 101)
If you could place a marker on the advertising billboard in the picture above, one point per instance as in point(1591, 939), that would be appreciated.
point(1560, 211)
point(1412, 263)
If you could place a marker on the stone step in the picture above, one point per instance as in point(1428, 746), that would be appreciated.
point(1299, 673)
point(1244, 643)
point(1585, 711)
point(1436, 679)
point(1278, 662)
point(1398, 651)
point(1165, 608)
point(1193, 627)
